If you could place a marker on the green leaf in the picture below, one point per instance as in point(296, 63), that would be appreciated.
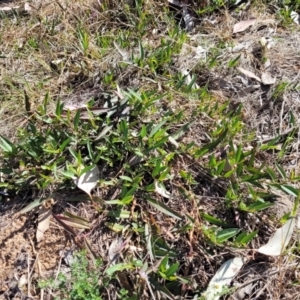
point(118, 267)
point(143, 131)
point(127, 199)
point(32, 205)
point(213, 220)
point(7, 146)
point(220, 167)
point(257, 206)
point(164, 209)
point(286, 188)
point(76, 120)
point(159, 143)
point(234, 62)
point(76, 156)
point(271, 144)
point(125, 178)
point(157, 127)
point(172, 270)
point(106, 129)
point(225, 234)
point(245, 238)
point(290, 190)
point(182, 130)
point(157, 168)
point(271, 173)
point(27, 102)
point(90, 150)
point(67, 174)
point(142, 52)
point(114, 226)
point(213, 144)
point(163, 264)
point(239, 169)
point(64, 145)
point(59, 108)
point(280, 170)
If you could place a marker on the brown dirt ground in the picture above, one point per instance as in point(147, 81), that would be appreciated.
point(22, 259)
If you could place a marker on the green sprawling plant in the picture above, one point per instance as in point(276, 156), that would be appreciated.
point(180, 173)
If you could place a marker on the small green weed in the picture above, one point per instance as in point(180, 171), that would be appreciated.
point(81, 283)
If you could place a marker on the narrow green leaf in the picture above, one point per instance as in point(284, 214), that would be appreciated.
point(143, 131)
point(239, 169)
point(76, 120)
point(240, 237)
point(112, 202)
point(67, 174)
point(212, 145)
point(290, 190)
point(163, 264)
point(271, 144)
point(31, 206)
point(118, 267)
point(246, 239)
point(238, 154)
point(258, 206)
point(74, 154)
point(7, 146)
point(157, 168)
point(27, 102)
point(125, 178)
point(127, 199)
point(280, 170)
point(64, 144)
point(142, 52)
point(59, 108)
point(103, 133)
point(213, 220)
point(159, 143)
point(172, 270)
point(234, 62)
point(164, 209)
point(271, 173)
point(90, 150)
point(225, 234)
point(220, 167)
point(114, 226)
point(182, 130)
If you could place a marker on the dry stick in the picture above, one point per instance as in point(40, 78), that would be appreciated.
point(260, 292)
point(28, 271)
point(280, 116)
point(35, 262)
point(58, 269)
